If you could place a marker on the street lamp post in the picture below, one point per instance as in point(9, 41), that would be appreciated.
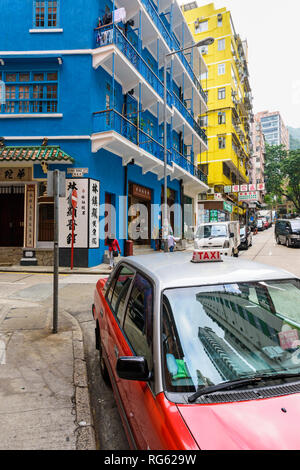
point(205, 42)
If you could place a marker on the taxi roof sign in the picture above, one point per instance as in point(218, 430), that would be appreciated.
point(205, 256)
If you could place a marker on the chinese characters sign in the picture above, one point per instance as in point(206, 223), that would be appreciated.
point(94, 213)
point(249, 196)
point(30, 197)
point(16, 174)
point(86, 214)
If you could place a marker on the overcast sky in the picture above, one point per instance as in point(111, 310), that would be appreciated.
point(271, 28)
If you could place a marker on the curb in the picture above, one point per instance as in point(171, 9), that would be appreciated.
point(85, 434)
point(50, 271)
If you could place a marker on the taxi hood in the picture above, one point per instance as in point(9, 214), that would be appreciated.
point(268, 424)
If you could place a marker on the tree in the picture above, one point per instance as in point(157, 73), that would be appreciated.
point(282, 171)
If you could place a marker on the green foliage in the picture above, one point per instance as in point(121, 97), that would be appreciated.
point(282, 173)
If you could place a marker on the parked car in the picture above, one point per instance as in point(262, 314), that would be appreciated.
point(287, 232)
point(201, 356)
point(246, 238)
point(225, 236)
point(266, 223)
point(260, 225)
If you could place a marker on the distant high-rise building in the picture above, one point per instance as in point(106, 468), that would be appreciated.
point(257, 172)
point(274, 129)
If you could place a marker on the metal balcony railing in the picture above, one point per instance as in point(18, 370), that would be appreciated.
point(112, 120)
point(111, 34)
point(188, 166)
point(189, 118)
point(173, 43)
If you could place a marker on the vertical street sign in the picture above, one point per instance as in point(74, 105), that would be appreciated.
point(74, 201)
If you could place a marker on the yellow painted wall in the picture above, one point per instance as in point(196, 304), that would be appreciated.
point(213, 58)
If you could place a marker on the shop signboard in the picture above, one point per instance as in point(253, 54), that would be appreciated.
point(30, 205)
point(249, 196)
point(86, 214)
point(228, 207)
point(213, 216)
point(9, 174)
point(261, 187)
point(94, 213)
point(227, 189)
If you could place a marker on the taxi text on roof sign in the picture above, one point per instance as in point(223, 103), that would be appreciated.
point(206, 256)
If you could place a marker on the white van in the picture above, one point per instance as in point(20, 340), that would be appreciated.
point(222, 235)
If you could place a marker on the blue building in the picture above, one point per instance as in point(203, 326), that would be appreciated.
point(82, 91)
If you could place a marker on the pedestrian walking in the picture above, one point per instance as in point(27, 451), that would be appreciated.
point(113, 249)
point(171, 243)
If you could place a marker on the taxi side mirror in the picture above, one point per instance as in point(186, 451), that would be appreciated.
point(133, 368)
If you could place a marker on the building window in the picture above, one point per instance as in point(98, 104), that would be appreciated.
point(201, 26)
point(222, 141)
point(190, 6)
point(45, 13)
point(221, 117)
point(221, 69)
point(220, 21)
point(221, 93)
point(31, 92)
point(204, 168)
point(203, 121)
point(226, 170)
point(221, 45)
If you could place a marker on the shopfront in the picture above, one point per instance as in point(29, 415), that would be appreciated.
point(214, 211)
point(139, 214)
point(26, 212)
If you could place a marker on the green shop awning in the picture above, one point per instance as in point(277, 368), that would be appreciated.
point(34, 154)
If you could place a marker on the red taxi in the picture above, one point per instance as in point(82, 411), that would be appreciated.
point(201, 352)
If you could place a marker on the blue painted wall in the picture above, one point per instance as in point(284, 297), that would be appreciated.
point(81, 92)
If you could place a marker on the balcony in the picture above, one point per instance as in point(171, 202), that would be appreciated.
point(109, 37)
point(185, 164)
point(179, 105)
point(151, 17)
point(117, 134)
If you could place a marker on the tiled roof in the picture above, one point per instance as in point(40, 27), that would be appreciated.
point(34, 154)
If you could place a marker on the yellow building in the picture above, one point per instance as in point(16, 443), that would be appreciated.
point(229, 105)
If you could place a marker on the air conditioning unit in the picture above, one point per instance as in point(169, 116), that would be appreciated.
point(211, 191)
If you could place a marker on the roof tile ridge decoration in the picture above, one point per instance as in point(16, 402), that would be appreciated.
point(34, 153)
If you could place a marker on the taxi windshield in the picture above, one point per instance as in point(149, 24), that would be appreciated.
point(216, 334)
point(212, 231)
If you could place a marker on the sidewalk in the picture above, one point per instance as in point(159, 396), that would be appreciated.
point(101, 269)
point(97, 270)
point(44, 399)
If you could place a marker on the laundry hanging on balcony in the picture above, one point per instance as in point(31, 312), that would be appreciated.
point(119, 15)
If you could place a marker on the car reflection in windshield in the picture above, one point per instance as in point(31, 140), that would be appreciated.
point(228, 332)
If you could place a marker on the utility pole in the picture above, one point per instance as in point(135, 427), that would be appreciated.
point(56, 250)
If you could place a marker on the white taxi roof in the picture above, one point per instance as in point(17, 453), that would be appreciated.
point(169, 270)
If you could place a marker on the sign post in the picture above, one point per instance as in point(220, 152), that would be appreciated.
point(56, 188)
point(56, 250)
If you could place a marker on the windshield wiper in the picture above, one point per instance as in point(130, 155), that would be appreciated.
point(238, 383)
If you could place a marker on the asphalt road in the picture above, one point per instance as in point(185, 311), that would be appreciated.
point(76, 297)
point(266, 251)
